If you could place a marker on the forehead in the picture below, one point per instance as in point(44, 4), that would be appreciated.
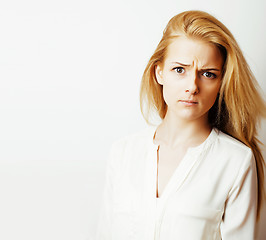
point(190, 51)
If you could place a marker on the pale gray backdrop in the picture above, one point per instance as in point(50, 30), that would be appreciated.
point(70, 73)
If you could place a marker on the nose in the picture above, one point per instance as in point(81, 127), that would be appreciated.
point(192, 84)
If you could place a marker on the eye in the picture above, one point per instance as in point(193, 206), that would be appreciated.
point(209, 75)
point(179, 70)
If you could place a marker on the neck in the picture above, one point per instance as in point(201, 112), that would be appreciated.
point(175, 132)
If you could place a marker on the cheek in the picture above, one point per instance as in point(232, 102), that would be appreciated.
point(211, 96)
point(170, 93)
point(172, 88)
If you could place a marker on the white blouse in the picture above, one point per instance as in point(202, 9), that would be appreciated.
point(211, 195)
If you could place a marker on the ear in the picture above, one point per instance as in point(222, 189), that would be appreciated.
point(159, 74)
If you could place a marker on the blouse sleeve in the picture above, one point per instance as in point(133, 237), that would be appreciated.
point(104, 228)
point(241, 206)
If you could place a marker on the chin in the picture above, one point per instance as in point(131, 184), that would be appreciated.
point(191, 116)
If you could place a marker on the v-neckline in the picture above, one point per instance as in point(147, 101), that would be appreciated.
point(170, 180)
point(183, 168)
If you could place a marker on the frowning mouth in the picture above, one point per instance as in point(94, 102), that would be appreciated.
point(188, 102)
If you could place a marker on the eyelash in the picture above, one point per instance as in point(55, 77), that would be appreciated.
point(181, 68)
point(178, 68)
point(213, 75)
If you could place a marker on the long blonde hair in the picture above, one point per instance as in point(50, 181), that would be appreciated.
point(238, 106)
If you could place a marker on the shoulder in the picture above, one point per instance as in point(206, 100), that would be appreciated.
point(137, 143)
point(229, 140)
point(232, 150)
point(137, 139)
point(130, 149)
point(231, 144)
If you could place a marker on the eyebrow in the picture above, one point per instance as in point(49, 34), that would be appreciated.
point(205, 69)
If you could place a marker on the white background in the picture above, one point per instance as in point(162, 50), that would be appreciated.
point(70, 74)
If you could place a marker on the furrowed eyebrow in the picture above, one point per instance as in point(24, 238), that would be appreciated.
point(211, 69)
point(205, 69)
point(182, 64)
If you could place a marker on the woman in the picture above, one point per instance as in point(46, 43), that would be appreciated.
point(199, 174)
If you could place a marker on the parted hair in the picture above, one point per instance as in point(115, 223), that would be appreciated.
point(239, 105)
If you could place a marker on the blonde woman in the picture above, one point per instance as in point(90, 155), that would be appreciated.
point(199, 173)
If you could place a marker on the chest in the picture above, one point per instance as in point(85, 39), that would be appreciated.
point(168, 161)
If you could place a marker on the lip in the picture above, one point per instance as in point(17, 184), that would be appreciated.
point(188, 102)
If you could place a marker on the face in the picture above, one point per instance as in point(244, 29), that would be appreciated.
point(191, 78)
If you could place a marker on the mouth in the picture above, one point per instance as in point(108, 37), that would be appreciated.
point(188, 102)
